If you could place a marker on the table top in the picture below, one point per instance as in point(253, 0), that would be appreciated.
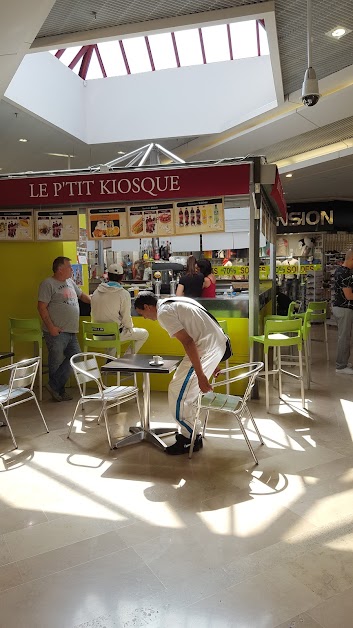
point(139, 363)
point(6, 354)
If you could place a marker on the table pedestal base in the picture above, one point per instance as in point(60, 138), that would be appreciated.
point(151, 436)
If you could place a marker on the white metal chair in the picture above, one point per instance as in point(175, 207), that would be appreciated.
point(19, 389)
point(232, 404)
point(86, 369)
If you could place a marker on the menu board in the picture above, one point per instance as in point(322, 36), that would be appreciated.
point(151, 220)
point(199, 216)
point(57, 225)
point(108, 222)
point(16, 225)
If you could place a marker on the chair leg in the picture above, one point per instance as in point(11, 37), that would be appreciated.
point(247, 440)
point(74, 417)
point(8, 425)
point(205, 423)
point(279, 373)
point(254, 424)
point(107, 426)
point(40, 374)
point(326, 342)
point(301, 376)
point(227, 384)
point(39, 410)
point(193, 438)
point(266, 384)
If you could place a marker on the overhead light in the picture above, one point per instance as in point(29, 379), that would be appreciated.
point(338, 32)
point(289, 175)
point(22, 139)
point(310, 88)
point(59, 155)
point(121, 152)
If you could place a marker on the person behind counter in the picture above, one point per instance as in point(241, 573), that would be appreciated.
point(209, 282)
point(59, 310)
point(190, 284)
point(204, 343)
point(111, 303)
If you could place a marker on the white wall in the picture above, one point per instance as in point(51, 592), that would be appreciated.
point(49, 90)
point(178, 102)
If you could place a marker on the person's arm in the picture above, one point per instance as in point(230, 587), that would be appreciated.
point(44, 314)
point(125, 311)
point(180, 290)
point(206, 282)
point(348, 293)
point(192, 352)
point(85, 298)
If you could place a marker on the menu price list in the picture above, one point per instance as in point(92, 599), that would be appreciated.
point(57, 226)
point(151, 220)
point(107, 223)
point(199, 216)
point(16, 226)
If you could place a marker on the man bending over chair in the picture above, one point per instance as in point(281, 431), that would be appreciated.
point(204, 343)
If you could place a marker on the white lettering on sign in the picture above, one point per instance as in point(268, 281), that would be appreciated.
point(312, 217)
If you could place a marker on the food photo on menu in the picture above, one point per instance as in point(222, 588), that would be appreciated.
point(105, 228)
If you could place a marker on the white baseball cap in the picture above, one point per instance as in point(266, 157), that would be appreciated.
point(115, 269)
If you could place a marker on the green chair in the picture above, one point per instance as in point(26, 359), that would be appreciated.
point(99, 336)
point(318, 310)
point(275, 336)
point(28, 330)
point(224, 325)
point(293, 306)
point(290, 359)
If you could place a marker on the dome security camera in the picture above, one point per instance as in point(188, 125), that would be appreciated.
point(310, 89)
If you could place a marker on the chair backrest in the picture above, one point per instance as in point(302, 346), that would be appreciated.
point(292, 309)
point(306, 326)
point(283, 326)
point(318, 311)
point(23, 374)
point(86, 369)
point(26, 329)
point(236, 373)
point(101, 336)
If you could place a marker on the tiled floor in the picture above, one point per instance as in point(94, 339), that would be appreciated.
point(92, 538)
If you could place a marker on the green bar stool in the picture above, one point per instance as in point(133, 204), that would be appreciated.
point(293, 306)
point(276, 336)
point(99, 336)
point(224, 325)
point(28, 330)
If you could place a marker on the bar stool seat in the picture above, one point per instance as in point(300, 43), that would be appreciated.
point(29, 330)
point(275, 336)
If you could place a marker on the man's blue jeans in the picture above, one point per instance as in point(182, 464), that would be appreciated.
point(60, 349)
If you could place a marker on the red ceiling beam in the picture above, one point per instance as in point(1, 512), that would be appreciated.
point(128, 71)
point(148, 46)
point(202, 46)
point(59, 53)
point(258, 39)
point(230, 42)
point(176, 52)
point(100, 61)
point(79, 56)
point(86, 61)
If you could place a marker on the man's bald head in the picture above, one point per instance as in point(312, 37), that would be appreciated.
point(348, 261)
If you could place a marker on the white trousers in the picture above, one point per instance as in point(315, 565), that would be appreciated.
point(184, 388)
point(137, 334)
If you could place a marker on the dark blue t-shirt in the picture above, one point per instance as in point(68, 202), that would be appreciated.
point(343, 279)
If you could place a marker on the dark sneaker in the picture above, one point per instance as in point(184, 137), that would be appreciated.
point(55, 395)
point(182, 445)
point(65, 396)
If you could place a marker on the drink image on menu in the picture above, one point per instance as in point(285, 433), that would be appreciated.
point(192, 217)
point(181, 218)
point(198, 216)
point(204, 215)
point(186, 218)
point(216, 215)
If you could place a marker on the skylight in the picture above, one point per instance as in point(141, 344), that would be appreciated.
point(194, 46)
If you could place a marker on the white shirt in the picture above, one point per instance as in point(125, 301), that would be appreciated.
point(184, 313)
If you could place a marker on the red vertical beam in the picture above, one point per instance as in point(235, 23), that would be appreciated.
point(148, 46)
point(258, 39)
point(124, 57)
point(59, 53)
point(100, 61)
point(202, 46)
point(79, 56)
point(230, 42)
point(85, 62)
point(176, 52)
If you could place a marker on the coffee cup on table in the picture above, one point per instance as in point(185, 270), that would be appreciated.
point(157, 359)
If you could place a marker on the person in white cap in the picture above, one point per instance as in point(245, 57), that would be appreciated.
point(111, 303)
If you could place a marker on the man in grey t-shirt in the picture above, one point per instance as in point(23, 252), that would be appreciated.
point(59, 310)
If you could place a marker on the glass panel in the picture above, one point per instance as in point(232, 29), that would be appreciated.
point(137, 55)
point(94, 69)
point(215, 39)
point(112, 58)
point(263, 41)
point(244, 41)
point(189, 47)
point(69, 55)
point(162, 51)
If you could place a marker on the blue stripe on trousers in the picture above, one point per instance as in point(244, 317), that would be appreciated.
point(182, 390)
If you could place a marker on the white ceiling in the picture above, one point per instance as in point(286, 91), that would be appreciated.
point(289, 130)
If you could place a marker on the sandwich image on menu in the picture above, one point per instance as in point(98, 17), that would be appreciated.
point(137, 224)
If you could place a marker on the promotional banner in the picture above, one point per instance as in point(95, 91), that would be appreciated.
point(151, 221)
point(16, 226)
point(199, 216)
point(264, 271)
point(56, 225)
point(108, 222)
